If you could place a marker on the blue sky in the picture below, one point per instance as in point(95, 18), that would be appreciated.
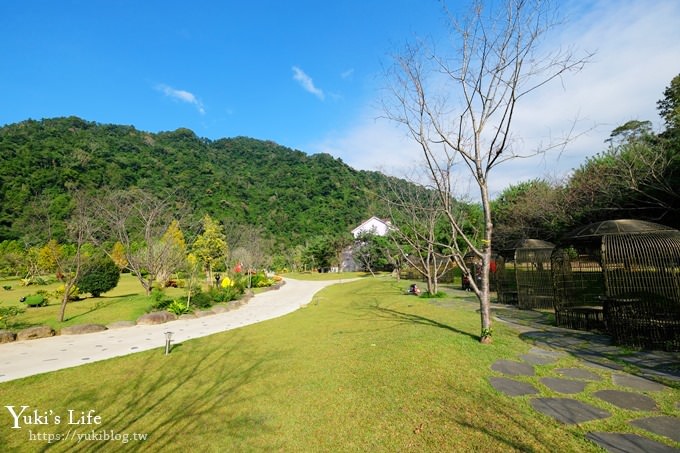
point(307, 74)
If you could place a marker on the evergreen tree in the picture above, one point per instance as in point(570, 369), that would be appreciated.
point(98, 276)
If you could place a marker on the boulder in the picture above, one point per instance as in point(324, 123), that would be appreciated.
point(6, 336)
point(202, 313)
point(82, 328)
point(187, 316)
point(156, 317)
point(35, 332)
point(219, 309)
point(120, 324)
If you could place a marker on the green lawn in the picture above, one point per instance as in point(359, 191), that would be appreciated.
point(361, 368)
point(126, 302)
point(326, 276)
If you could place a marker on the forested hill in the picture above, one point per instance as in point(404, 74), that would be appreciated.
point(290, 194)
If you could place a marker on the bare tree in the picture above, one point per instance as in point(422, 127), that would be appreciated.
point(459, 104)
point(416, 214)
point(140, 222)
point(67, 259)
point(248, 244)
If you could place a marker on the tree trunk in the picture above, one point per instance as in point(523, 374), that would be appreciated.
point(485, 299)
point(64, 300)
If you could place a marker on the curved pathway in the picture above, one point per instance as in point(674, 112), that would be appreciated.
point(26, 358)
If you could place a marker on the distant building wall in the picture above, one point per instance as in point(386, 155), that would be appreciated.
point(373, 225)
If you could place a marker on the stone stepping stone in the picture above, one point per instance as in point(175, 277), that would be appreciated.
point(512, 368)
point(512, 387)
point(637, 383)
point(562, 385)
point(628, 443)
point(579, 373)
point(546, 352)
point(663, 426)
point(627, 400)
point(599, 362)
point(538, 359)
point(567, 410)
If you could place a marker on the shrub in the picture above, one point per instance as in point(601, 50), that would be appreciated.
point(7, 315)
point(33, 281)
point(200, 299)
point(99, 276)
point(35, 300)
point(178, 307)
point(72, 295)
point(225, 294)
point(158, 299)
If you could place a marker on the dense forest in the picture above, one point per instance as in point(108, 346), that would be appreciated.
point(290, 195)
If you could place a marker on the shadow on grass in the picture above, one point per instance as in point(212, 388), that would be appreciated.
point(192, 391)
point(98, 303)
point(505, 412)
point(400, 316)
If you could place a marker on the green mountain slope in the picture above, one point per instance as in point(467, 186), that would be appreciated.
point(290, 194)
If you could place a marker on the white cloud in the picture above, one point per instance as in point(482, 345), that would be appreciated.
point(347, 74)
point(306, 82)
point(182, 96)
point(637, 46)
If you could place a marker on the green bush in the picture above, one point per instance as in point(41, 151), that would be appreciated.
point(201, 300)
point(7, 315)
point(158, 300)
point(260, 280)
point(73, 294)
point(99, 276)
point(226, 294)
point(35, 300)
point(178, 307)
point(33, 281)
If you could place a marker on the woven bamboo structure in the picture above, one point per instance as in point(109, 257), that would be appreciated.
point(622, 276)
point(531, 272)
point(474, 266)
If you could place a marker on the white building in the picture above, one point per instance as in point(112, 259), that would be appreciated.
point(373, 225)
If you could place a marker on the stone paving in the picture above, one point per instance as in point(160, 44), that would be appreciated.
point(600, 365)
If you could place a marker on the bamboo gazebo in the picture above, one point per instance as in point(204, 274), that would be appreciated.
point(623, 277)
point(524, 276)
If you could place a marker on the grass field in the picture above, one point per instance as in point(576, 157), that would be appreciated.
point(361, 368)
point(126, 302)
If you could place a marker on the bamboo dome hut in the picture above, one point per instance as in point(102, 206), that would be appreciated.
point(524, 276)
point(622, 276)
point(474, 267)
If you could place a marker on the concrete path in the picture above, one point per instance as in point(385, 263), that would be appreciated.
point(26, 358)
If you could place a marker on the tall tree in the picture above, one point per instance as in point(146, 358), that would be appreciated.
point(210, 246)
point(531, 209)
point(669, 106)
point(459, 104)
